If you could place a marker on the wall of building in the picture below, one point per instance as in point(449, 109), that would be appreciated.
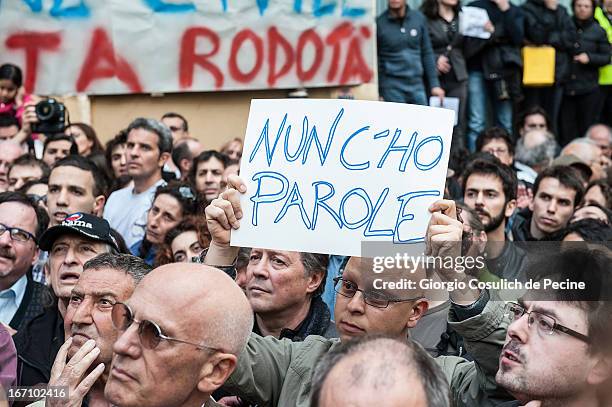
point(213, 117)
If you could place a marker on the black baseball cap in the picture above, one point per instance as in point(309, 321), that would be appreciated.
point(84, 224)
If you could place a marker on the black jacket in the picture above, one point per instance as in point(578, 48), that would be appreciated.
point(544, 26)
point(37, 346)
point(499, 55)
point(30, 305)
point(592, 39)
point(447, 40)
point(521, 224)
point(317, 322)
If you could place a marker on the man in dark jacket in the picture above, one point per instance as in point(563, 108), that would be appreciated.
point(405, 55)
point(494, 67)
point(284, 289)
point(556, 193)
point(21, 224)
point(548, 23)
point(78, 238)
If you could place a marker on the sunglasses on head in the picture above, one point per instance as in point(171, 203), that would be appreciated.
point(149, 332)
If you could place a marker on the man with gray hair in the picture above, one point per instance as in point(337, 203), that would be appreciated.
point(148, 147)
point(381, 369)
point(83, 362)
point(590, 154)
point(602, 136)
point(536, 149)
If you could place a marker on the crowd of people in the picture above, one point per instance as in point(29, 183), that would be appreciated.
point(424, 53)
point(119, 284)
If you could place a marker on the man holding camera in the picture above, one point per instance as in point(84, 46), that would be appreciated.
point(41, 117)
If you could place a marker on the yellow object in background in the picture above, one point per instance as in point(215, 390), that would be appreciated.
point(538, 66)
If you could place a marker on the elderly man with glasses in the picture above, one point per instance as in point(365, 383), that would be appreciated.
point(180, 335)
point(21, 224)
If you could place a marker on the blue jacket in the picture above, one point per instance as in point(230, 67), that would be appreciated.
point(404, 51)
point(150, 257)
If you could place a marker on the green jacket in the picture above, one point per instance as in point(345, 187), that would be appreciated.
point(274, 372)
point(605, 72)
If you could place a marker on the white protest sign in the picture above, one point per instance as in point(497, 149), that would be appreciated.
point(472, 21)
point(323, 176)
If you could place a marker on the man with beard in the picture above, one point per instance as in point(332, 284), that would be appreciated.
point(490, 189)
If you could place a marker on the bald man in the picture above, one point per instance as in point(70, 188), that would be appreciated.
point(380, 370)
point(9, 152)
point(180, 335)
point(589, 153)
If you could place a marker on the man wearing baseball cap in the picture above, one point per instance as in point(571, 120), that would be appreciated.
point(79, 238)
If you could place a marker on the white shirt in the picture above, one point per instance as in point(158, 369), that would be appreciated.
point(11, 298)
point(126, 211)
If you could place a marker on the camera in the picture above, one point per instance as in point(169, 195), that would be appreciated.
point(51, 117)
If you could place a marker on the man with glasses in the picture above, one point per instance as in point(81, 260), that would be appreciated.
point(21, 225)
point(79, 238)
point(272, 372)
point(497, 141)
point(83, 362)
point(180, 335)
point(557, 348)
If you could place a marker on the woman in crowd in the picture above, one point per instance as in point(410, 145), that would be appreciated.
point(447, 42)
point(184, 242)
point(86, 139)
point(581, 93)
point(171, 204)
point(599, 192)
point(233, 149)
point(116, 161)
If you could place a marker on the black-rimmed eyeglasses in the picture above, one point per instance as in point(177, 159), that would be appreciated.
point(149, 332)
point(348, 289)
point(17, 234)
point(545, 324)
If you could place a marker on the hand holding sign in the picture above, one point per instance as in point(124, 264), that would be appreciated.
point(443, 240)
point(326, 175)
point(222, 215)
